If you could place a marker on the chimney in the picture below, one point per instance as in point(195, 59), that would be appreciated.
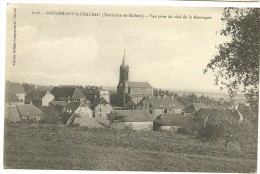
point(158, 96)
point(164, 96)
point(172, 97)
point(101, 87)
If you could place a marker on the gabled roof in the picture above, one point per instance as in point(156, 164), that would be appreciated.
point(77, 94)
point(11, 97)
point(28, 110)
point(36, 95)
point(12, 114)
point(164, 102)
point(65, 92)
point(100, 101)
point(14, 87)
point(134, 115)
point(174, 120)
point(139, 85)
point(74, 105)
point(59, 103)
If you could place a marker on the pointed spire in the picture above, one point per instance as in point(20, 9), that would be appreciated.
point(123, 63)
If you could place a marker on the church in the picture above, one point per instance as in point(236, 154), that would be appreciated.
point(131, 91)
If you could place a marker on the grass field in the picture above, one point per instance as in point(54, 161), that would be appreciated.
point(51, 147)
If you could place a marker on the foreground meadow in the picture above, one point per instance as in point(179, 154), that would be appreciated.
point(57, 147)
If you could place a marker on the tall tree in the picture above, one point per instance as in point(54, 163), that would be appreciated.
point(236, 66)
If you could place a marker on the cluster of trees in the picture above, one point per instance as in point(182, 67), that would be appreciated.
point(187, 99)
point(236, 65)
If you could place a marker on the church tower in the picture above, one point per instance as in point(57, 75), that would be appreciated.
point(122, 87)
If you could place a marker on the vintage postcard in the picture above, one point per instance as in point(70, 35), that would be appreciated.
point(131, 88)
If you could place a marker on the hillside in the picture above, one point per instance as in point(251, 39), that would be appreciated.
point(52, 147)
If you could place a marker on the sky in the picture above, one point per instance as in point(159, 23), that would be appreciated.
point(68, 49)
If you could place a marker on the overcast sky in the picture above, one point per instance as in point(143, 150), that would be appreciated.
point(167, 53)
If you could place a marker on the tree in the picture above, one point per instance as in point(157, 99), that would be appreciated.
point(114, 118)
point(236, 66)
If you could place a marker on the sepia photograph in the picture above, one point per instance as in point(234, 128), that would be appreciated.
point(131, 88)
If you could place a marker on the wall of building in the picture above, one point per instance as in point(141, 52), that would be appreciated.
point(147, 126)
point(168, 128)
point(84, 112)
point(47, 99)
point(140, 90)
point(21, 97)
point(102, 110)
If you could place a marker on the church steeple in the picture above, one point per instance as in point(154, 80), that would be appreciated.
point(123, 62)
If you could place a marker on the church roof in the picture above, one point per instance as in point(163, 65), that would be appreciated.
point(164, 102)
point(139, 85)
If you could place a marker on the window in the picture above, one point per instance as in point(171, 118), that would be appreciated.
point(165, 111)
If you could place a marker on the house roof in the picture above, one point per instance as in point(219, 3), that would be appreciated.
point(12, 114)
point(35, 95)
point(14, 87)
point(59, 103)
point(139, 85)
point(28, 110)
point(164, 102)
point(174, 120)
point(65, 92)
point(100, 101)
point(134, 115)
point(74, 105)
point(11, 97)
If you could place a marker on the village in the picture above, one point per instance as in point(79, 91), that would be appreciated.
point(135, 106)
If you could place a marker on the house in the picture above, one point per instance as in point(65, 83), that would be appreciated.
point(194, 107)
point(12, 115)
point(130, 105)
point(172, 122)
point(101, 108)
point(67, 93)
point(157, 105)
point(39, 98)
point(59, 105)
point(133, 119)
point(17, 89)
point(93, 93)
point(73, 110)
point(29, 112)
point(127, 90)
point(11, 99)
